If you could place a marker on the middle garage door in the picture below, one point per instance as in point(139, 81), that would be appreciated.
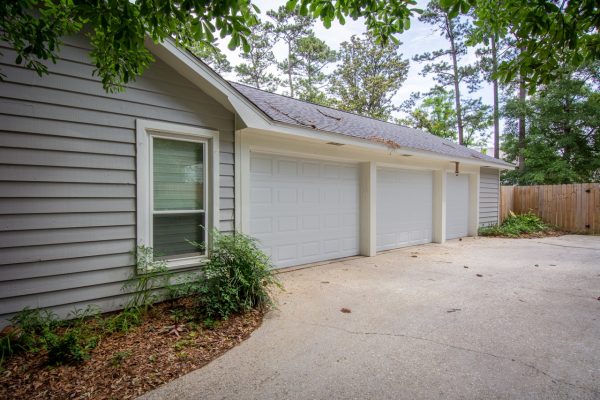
point(303, 210)
point(404, 207)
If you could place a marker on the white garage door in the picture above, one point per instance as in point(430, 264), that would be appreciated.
point(457, 206)
point(303, 210)
point(404, 207)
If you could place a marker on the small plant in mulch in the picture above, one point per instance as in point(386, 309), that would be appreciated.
point(147, 344)
point(520, 226)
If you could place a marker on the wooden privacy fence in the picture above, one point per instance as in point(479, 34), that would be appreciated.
point(573, 208)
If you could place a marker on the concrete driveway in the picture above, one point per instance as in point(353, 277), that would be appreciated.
point(476, 319)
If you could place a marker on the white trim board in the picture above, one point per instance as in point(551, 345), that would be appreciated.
point(144, 130)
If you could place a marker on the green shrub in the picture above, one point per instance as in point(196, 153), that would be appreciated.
point(516, 225)
point(33, 330)
point(236, 278)
point(151, 274)
point(123, 321)
point(28, 332)
point(70, 347)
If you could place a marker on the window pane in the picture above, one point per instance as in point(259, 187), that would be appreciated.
point(178, 175)
point(171, 233)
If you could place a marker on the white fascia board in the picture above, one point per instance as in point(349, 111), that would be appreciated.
point(279, 129)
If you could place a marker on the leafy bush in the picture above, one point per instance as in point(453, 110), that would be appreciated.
point(123, 321)
point(516, 225)
point(71, 347)
point(29, 331)
point(151, 274)
point(33, 330)
point(236, 278)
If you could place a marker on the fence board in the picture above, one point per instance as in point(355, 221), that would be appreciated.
point(572, 207)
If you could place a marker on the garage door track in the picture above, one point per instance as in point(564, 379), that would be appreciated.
point(477, 318)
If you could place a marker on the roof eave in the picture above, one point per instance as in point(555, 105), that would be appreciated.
point(326, 136)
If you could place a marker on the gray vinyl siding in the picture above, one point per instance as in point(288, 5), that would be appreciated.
point(489, 196)
point(67, 176)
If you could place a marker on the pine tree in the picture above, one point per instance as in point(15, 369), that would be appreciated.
point(368, 76)
point(255, 70)
point(313, 57)
point(445, 64)
point(290, 27)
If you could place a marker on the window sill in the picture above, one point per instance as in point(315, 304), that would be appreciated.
point(187, 262)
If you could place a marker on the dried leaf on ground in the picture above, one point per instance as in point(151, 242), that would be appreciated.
point(149, 358)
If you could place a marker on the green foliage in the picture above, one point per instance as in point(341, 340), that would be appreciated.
point(435, 114)
point(313, 57)
point(123, 321)
point(151, 274)
point(368, 76)
point(118, 357)
point(562, 144)
point(548, 34)
point(290, 26)
point(213, 57)
point(516, 225)
point(27, 333)
point(71, 347)
point(30, 327)
point(382, 18)
point(258, 59)
point(236, 278)
point(34, 330)
point(117, 30)
point(449, 70)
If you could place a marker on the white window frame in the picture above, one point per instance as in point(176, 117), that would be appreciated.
point(146, 130)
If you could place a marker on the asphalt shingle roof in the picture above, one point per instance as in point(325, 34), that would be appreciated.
point(301, 113)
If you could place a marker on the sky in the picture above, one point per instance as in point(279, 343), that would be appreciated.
point(418, 39)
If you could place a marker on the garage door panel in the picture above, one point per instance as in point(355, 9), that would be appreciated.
point(304, 210)
point(261, 165)
point(457, 206)
point(404, 208)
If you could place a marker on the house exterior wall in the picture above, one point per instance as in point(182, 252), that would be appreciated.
point(68, 179)
point(489, 196)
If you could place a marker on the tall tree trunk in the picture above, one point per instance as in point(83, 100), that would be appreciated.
point(496, 106)
point(289, 71)
point(459, 120)
point(522, 94)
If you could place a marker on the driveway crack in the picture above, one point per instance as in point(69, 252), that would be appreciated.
point(567, 246)
point(485, 353)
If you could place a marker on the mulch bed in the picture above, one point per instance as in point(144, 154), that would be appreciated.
point(533, 235)
point(127, 365)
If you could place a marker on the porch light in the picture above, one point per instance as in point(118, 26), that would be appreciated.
point(456, 163)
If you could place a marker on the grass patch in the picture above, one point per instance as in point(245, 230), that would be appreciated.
point(522, 225)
